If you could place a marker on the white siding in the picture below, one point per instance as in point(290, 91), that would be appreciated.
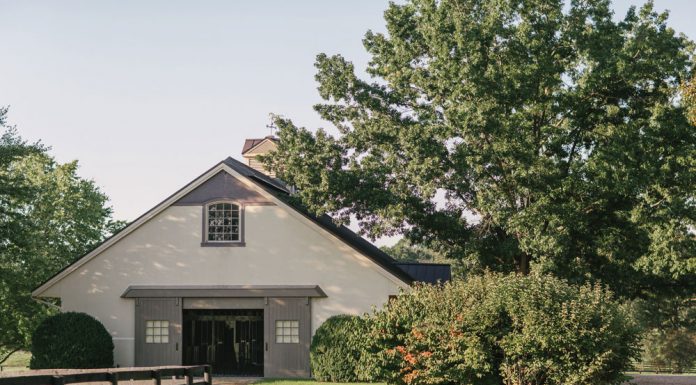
point(281, 249)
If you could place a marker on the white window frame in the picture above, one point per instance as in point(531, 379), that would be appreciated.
point(157, 329)
point(240, 223)
point(288, 331)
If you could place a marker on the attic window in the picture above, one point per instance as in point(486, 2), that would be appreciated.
point(223, 222)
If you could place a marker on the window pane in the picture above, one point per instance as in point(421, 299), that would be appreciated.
point(287, 331)
point(223, 222)
point(165, 339)
point(148, 339)
point(157, 339)
point(165, 324)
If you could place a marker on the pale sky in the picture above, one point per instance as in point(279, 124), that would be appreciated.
point(149, 94)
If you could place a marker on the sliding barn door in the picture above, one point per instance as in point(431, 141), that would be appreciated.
point(158, 331)
point(288, 332)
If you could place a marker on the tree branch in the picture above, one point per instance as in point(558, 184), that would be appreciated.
point(11, 352)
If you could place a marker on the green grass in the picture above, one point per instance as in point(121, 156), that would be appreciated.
point(17, 361)
point(302, 382)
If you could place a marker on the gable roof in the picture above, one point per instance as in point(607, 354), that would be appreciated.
point(274, 187)
point(250, 144)
point(280, 190)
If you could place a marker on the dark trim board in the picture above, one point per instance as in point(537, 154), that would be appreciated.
point(223, 303)
point(223, 291)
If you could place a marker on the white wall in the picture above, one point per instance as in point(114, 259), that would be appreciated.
point(281, 249)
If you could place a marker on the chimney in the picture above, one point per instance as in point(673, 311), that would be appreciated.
point(255, 147)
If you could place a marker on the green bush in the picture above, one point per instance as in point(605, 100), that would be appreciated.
point(71, 341)
point(497, 329)
point(670, 350)
point(336, 348)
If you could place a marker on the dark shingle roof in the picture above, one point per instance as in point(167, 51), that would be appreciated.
point(251, 143)
point(408, 272)
point(427, 272)
point(256, 175)
point(281, 191)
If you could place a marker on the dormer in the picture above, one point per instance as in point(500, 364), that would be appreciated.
point(255, 147)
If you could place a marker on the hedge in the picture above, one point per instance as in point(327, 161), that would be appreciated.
point(497, 329)
point(71, 341)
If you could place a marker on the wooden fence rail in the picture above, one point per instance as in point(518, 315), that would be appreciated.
point(189, 373)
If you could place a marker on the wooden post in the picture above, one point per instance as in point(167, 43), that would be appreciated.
point(188, 375)
point(113, 378)
point(207, 375)
point(58, 380)
point(156, 377)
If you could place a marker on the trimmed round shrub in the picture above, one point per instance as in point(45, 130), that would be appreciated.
point(336, 349)
point(502, 329)
point(71, 341)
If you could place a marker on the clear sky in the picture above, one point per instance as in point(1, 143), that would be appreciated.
point(149, 94)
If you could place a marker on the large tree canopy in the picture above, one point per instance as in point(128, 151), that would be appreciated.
point(515, 136)
point(48, 217)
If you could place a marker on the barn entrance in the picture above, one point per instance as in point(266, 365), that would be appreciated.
point(231, 340)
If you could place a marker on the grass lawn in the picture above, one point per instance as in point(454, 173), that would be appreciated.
point(17, 361)
point(304, 382)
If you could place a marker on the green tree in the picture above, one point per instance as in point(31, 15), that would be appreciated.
point(671, 349)
point(405, 251)
point(516, 136)
point(689, 95)
point(48, 217)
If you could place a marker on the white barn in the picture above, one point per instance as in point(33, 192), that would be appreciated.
point(225, 272)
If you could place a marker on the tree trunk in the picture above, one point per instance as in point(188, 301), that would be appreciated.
point(523, 265)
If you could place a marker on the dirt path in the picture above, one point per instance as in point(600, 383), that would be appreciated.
point(234, 380)
point(657, 379)
point(165, 381)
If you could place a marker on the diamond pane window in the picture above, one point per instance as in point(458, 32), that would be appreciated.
point(223, 222)
point(157, 332)
point(287, 332)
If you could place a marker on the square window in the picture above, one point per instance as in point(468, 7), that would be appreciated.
point(156, 332)
point(287, 332)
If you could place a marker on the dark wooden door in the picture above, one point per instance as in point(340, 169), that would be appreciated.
point(157, 331)
point(288, 332)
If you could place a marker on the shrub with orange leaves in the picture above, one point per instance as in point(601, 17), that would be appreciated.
point(500, 329)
